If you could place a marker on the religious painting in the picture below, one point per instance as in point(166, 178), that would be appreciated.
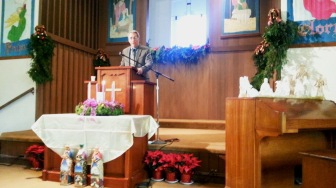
point(17, 24)
point(240, 18)
point(316, 20)
point(121, 19)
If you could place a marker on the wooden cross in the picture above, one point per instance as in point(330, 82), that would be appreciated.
point(113, 90)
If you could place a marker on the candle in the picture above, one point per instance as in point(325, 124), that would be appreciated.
point(103, 86)
point(103, 89)
point(96, 91)
point(113, 91)
point(89, 90)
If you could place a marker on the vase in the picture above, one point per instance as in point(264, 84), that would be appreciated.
point(171, 177)
point(185, 178)
point(157, 175)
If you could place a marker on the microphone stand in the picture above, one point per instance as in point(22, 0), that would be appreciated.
point(157, 74)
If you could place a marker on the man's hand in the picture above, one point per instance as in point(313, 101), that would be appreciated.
point(140, 71)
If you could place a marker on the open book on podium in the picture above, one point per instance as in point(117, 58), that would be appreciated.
point(122, 84)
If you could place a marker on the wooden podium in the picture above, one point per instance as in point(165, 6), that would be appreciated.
point(137, 95)
point(264, 137)
point(131, 89)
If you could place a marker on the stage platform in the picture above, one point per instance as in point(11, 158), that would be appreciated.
point(207, 144)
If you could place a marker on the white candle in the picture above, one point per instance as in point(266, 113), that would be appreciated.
point(103, 86)
point(96, 91)
point(113, 92)
point(89, 90)
point(103, 89)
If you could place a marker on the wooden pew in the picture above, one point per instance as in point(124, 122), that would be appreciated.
point(265, 135)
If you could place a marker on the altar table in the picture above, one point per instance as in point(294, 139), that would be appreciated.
point(123, 141)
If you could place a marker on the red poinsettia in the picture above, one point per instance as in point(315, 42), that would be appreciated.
point(35, 154)
point(170, 162)
point(187, 163)
point(153, 159)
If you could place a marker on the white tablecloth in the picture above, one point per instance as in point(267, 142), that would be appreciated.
point(113, 135)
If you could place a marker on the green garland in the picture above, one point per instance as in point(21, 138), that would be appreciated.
point(41, 49)
point(271, 54)
point(187, 55)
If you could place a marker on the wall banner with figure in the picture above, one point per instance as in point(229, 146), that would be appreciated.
point(121, 19)
point(316, 20)
point(240, 18)
point(17, 24)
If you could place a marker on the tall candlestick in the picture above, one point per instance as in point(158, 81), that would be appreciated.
point(103, 89)
point(103, 86)
point(89, 90)
point(96, 91)
point(113, 92)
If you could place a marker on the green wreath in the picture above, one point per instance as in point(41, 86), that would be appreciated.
point(41, 49)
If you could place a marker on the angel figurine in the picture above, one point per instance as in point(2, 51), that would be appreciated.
point(66, 166)
point(97, 169)
point(80, 167)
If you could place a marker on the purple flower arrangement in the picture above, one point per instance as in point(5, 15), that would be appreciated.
point(91, 107)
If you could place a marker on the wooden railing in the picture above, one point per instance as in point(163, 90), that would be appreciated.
point(31, 90)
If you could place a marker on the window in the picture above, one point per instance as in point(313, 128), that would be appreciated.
point(177, 23)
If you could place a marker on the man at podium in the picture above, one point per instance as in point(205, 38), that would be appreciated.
point(137, 55)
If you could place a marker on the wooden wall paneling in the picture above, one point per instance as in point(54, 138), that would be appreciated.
point(58, 78)
point(65, 80)
point(75, 17)
point(102, 13)
point(53, 89)
point(80, 77)
point(65, 25)
point(57, 22)
point(70, 35)
point(84, 21)
point(76, 63)
point(79, 27)
point(53, 11)
point(70, 86)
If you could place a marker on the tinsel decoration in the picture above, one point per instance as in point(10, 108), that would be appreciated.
point(186, 55)
point(271, 54)
point(41, 49)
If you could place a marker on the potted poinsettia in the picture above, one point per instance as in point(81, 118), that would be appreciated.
point(170, 165)
point(187, 165)
point(153, 161)
point(35, 154)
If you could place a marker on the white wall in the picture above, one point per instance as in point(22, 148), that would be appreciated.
point(320, 59)
point(14, 80)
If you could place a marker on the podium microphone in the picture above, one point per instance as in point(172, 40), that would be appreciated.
point(121, 54)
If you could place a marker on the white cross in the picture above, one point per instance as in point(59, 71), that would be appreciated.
point(113, 90)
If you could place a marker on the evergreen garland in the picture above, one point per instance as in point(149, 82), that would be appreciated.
point(187, 55)
point(271, 54)
point(41, 49)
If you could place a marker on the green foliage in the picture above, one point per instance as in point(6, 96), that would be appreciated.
point(91, 107)
point(271, 54)
point(187, 55)
point(40, 49)
point(106, 110)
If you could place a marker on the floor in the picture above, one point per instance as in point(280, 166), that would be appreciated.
point(19, 176)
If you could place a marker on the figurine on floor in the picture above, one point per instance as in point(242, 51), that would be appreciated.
point(80, 167)
point(97, 169)
point(66, 167)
